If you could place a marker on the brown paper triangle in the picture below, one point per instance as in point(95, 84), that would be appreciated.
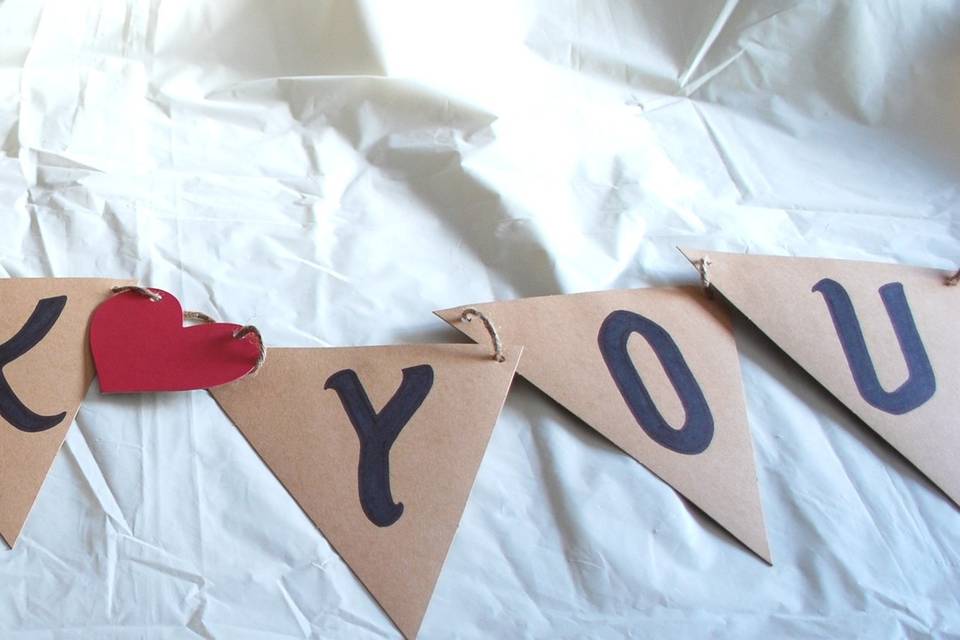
point(777, 294)
point(562, 357)
point(49, 379)
point(302, 432)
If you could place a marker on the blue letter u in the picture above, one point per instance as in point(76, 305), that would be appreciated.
point(920, 384)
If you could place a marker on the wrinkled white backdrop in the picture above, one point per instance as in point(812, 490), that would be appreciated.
point(333, 171)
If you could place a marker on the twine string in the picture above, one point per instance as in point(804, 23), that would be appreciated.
point(147, 293)
point(197, 316)
point(469, 314)
point(242, 333)
point(702, 267)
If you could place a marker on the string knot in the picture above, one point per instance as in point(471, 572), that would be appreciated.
point(469, 314)
point(701, 265)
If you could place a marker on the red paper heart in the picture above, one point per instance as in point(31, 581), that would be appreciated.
point(141, 345)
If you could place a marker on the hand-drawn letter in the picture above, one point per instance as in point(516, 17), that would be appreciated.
point(44, 316)
point(377, 433)
point(920, 384)
point(697, 430)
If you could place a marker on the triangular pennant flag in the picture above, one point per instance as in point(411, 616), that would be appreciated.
point(655, 371)
point(879, 337)
point(380, 447)
point(45, 371)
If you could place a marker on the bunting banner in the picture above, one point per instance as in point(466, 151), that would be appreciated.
point(879, 337)
point(45, 371)
point(655, 371)
point(380, 447)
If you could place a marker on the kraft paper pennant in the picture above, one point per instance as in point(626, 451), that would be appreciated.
point(655, 371)
point(879, 337)
point(45, 371)
point(391, 505)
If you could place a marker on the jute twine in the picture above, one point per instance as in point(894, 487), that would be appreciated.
point(469, 314)
point(153, 295)
point(702, 265)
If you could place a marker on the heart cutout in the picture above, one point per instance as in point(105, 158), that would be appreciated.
point(140, 344)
